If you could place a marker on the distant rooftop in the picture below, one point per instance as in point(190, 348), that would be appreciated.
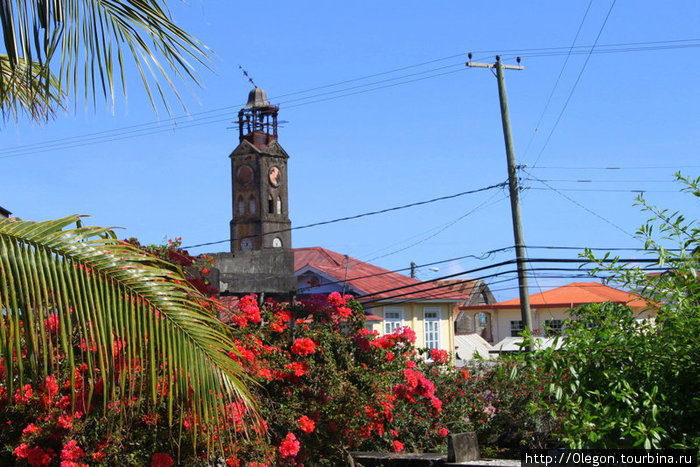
point(375, 282)
point(573, 295)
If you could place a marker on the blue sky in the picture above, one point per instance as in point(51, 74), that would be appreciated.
point(408, 123)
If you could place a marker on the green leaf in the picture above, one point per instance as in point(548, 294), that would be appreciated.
point(105, 291)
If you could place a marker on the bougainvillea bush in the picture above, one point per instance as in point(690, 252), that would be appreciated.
point(107, 354)
point(329, 386)
point(323, 384)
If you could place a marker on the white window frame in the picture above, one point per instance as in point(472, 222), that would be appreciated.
point(432, 317)
point(553, 327)
point(516, 327)
point(393, 322)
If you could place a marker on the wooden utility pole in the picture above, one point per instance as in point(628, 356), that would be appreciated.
point(514, 195)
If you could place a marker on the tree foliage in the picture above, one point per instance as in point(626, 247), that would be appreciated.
point(624, 382)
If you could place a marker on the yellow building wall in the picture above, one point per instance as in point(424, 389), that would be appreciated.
point(413, 317)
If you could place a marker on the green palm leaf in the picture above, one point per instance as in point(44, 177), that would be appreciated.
point(25, 88)
point(117, 300)
point(84, 43)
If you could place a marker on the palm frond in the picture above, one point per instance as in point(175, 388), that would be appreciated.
point(83, 42)
point(127, 310)
point(26, 89)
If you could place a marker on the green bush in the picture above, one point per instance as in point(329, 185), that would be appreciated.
point(620, 382)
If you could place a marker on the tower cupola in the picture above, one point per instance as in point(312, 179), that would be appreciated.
point(257, 121)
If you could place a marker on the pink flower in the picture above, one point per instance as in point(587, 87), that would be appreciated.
point(398, 446)
point(160, 459)
point(335, 299)
point(50, 386)
point(289, 446)
point(303, 346)
point(306, 424)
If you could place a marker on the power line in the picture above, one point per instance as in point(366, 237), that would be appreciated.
point(146, 129)
point(443, 286)
point(581, 205)
point(481, 257)
point(441, 229)
point(647, 167)
point(358, 216)
point(573, 88)
point(508, 262)
point(601, 181)
point(556, 82)
point(600, 190)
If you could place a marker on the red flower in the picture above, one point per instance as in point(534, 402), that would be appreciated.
point(65, 421)
point(344, 311)
point(160, 459)
point(71, 451)
point(297, 368)
point(31, 428)
point(303, 346)
point(334, 298)
point(306, 424)
point(52, 322)
point(36, 457)
point(439, 355)
point(398, 446)
point(289, 446)
point(205, 271)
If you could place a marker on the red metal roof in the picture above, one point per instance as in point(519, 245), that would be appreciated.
point(371, 280)
point(572, 295)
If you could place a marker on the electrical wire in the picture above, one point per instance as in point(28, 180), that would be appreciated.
point(146, 129)
point(358, 216)
point(556, 82)
point(580, 205)
point(646, 167)
point(573, 88)
point(441, 229)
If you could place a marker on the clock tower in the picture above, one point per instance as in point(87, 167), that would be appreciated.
point(261, 260)
point(259, 180)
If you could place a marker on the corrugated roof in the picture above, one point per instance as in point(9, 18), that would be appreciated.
point(468, 345)
point(572, 295)
point(369, 279)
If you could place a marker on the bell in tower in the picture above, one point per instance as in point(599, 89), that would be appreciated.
point(261, 259)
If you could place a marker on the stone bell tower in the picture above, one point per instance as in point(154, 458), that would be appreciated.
point(259, 179)
point(261, 260)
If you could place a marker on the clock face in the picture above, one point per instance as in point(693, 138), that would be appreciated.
point(276, 243)
point(246, 244)
point(275, 176)
point(244, 174)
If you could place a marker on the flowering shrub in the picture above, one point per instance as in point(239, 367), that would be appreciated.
point(325, 385)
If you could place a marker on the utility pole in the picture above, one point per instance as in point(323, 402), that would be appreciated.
point(514, 194)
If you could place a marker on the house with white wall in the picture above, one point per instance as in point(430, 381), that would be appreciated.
point(549, 309)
